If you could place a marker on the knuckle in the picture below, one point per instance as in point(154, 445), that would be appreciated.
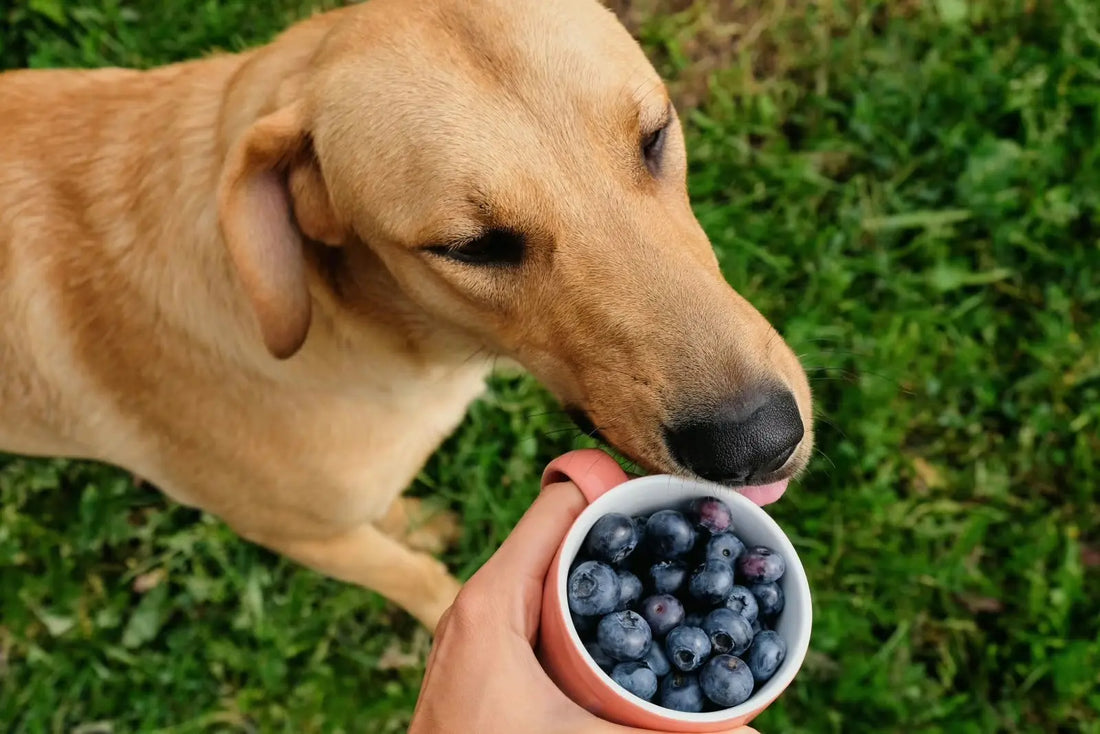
point(469, 611)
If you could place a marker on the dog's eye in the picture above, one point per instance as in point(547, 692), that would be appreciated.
point(653, 146)
point(497, 247)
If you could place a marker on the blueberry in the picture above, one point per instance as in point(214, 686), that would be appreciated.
point(757, 628)
point(593, 589)
point(694, 619)
point(667, 577)
point(711, 514)
point(612, 538)
point(624, 635)
point(726, 680)
point(729, 632)
point(669, 534)
point(766, 655)
point(761, 565)
point(599, 657)
point(770, 598)
point(742, 601)
point(687, 647)
point(636, 678)
point(630, 590)
point(639, 524)
point(657, 660)
point(681, 692)
point(662, 612)
point(711, 582)
point(725, 547)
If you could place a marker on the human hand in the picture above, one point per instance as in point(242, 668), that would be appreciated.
point(482, 674)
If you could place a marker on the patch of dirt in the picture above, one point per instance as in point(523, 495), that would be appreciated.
point(1090, 556)
point(635, 12)
point(688, 40)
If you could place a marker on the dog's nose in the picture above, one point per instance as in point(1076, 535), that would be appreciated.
point(748, 436)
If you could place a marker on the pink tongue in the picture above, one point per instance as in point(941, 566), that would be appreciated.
point(765, 494)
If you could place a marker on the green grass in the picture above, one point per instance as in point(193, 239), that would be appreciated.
point(913, 197)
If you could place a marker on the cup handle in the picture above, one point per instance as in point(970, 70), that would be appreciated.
point(592, 470)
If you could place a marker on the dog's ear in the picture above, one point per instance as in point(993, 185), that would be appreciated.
point(271, 194)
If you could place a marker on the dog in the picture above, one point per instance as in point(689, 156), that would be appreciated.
point(272, 282)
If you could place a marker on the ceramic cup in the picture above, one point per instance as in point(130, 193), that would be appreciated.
point(609, 489)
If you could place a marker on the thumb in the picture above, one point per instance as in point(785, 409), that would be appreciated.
point(512, 580)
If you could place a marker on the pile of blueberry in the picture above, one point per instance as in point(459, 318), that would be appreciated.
point(676, 609)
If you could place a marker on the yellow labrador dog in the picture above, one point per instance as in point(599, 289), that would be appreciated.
point(271, 282)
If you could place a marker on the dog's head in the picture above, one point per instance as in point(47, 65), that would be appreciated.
point(517, 169)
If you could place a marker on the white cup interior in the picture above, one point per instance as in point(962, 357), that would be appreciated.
point(750, 523)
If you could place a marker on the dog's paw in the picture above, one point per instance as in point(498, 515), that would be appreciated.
point(422, 527)
point(431, 530)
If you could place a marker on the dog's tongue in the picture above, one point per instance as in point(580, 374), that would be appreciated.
point(766, 493)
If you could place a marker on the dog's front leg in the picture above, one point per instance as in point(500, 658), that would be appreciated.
point(369, 557)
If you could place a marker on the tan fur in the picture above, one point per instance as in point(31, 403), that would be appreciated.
point(212, 273)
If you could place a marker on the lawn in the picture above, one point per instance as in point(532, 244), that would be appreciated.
point(909, 190)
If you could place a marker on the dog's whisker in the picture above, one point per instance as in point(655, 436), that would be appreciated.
point(852, 375)
point(840, 350)
point(544, 413)
point(554, 432)
point(630, 465)
point(825, 456)
point(482, 350)
point(821, 419)
point(618, 455)
point(818, 340)
point(841, 368)
point(772, 339)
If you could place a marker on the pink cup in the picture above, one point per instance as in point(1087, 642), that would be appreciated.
point(609, 489)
